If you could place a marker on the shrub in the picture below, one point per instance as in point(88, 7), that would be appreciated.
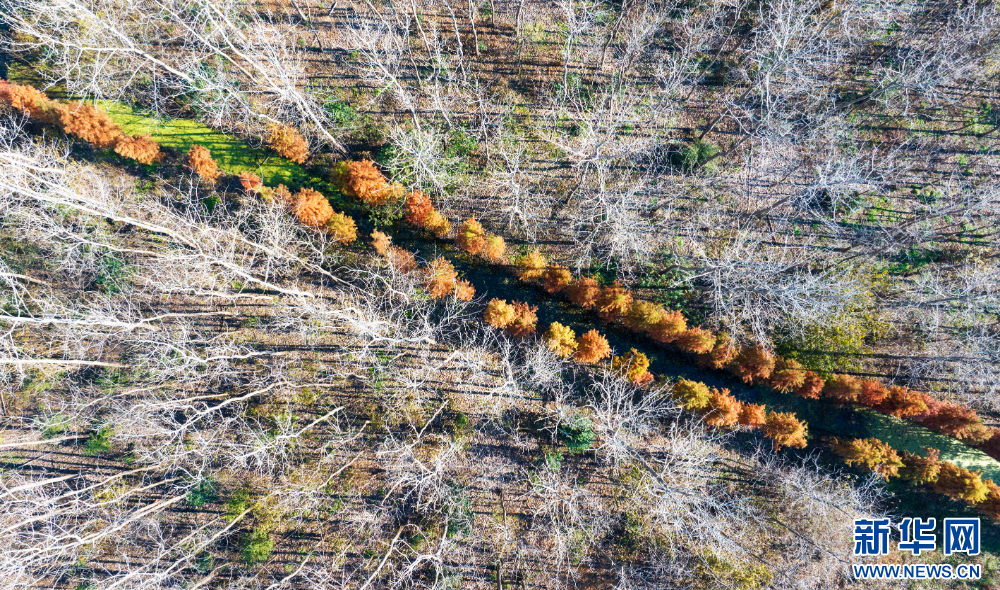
point(471, 236)
point(642, 316)
point(753, 415)
point(991, 505)
point(722, 353)
point(202, 493)
point(89, 123)
point(200, 160)
point(753, 364)
point(364, 182)
point(953, 419)
point(342, 228)
point(723, 409)
point(960, 483)
point(560, 339)
point(613, 302)
point(24, 98)
point(289, 143)
point(693, 395)
point(632, 366)
point(578, 434)
point(592, 347)
point(921, 470)
point(584, 292)
point(99, 441)
point(257, 547)
point(465, 291)
point(311, 208)
point(401, 260)
point(696, 341)
point(670, 325)
point(871, 453)
point(381, 242)
point(140, 148)
point(872, 393)
point(499, 313)
point(812, 386)
point(437, 224)
point(556, 278)
point(788, 375)
point(902, 402)
point(495, 248)
point(418, 209)
point(251, 183)
point(844, 389)
point(531, 265)
point(785, 430)
point(525, 319)
point(440, 278)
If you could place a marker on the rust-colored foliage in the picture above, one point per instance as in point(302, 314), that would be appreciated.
point(471, 236)
point(788, 375)
point(289, 143)
point(495, 248)
point(499, 313)
point(525, 319)
point(251, 183)
point(200, 160)
point(696, 341)
point(871, 453)
point(921, 470)
point(722, 354)
point(812, 386)
point(844, 389)
point(872, 393)
point(465, 291)
point(753, 364)
point(311, 208)
point(140, 148)
point(342, 228)
point(632, 366)
point(613, 302)
point(991, 505)
point(960, 483)
point(438, 224)
point(670, 325)
point(560, 339)
point(592, 347)
point(902, 402)
point(418, 209)
point(531, 265)
point(556, 278)
point(642, 316)
point(381, 242)
point(753, 415)
point(24, 98)
point(785, 430)
point(953, 419)
point(723, 409)
point(402, 261)
point(991, 446)
point(584, 292)
point(89, 123)
point(364, 182)
point(693, 395)
point(440, 278)
point(279, 193)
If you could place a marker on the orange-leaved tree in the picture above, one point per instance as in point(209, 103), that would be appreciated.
point(200, 160)
point(643, 316)
point(753, 415)
point(251, 183)
point(870, 453)
point(812, 386)
point(381, 242)
point(495, 248)
point(842, 388)
point(499, 313)
point(531, 265)
point(556, 278)
point(723, 409)
point(723, 353)
point(470, 236)
point(872, 393)
point(525, 318)
point(140, 148)
point(89, 123)
point(438, 224)
point(311, 208)
point(788, 375)
point(560, 339)
point(465, 291)
point(584, 292)
point(592, 347)
point(26, 99)
point(288, 142)
point(632, 366)
point(902, 402)
point(785, 430)
point(670, 325)
point(361, 180)
point(696, 341)
point(418, 209)
point(613, 302)
point(402, 261)
point(753, 364)
point(440, 278)
point(921, 470)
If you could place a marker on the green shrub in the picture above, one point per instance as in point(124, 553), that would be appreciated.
point(256, 547)
point(202, 493)
point(578, 434)
point(238, 504)
point(99, 441)
point(696, 154)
